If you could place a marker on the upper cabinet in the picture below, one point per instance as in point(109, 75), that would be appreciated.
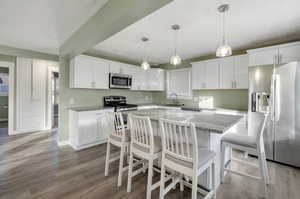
point(280, 54)
point(205, 75)
point(93, 73)
point(89, 72)
point(223, 73)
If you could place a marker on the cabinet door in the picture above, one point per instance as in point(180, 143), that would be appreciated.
point(289, 54)
point(114, 67)
point(102, 133)
point(82, 72)
point(264, 57)
point(212, 75)
point(100, 74)
point(226, 73)
point(198, 75)
point(241, 71)
point(87, 132)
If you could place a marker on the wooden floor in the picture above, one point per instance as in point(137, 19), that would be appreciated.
point(33, 166)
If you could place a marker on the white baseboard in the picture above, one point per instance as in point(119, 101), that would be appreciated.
point(63, 143)
point(77, 148)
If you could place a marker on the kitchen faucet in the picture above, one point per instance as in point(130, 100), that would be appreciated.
point(174, 96)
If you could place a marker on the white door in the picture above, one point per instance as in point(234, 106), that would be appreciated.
point(212, 74)
point(226, 73)
point(31, 78)
point(289, 54)
point(241, 71)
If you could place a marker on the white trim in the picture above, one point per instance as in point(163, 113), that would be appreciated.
point(11, 80)
point(82, 146)
point(272, 47)
point(63, 143)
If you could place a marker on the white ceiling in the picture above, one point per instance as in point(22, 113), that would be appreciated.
point(250, 23)
point(43, 25)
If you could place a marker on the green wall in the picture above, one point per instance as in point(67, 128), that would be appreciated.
point(87, 97)
point(229, 99)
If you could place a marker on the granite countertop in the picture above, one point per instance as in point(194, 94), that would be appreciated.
point(89, 108)
point(211, 121)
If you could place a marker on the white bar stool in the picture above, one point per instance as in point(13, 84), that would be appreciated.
point(181, 154)
point(119, 137)
point(248, 144)
point(144, 145)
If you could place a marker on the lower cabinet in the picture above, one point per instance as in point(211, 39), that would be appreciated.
point(87, 128)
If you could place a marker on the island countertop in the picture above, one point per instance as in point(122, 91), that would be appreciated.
point(210, 121)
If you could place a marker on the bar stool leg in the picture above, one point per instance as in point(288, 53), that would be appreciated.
point(213, 170)
point(223, 148)
point(121, 163)
point(150, 175)
point(107, 159)
point(162, 182)
point(194, 187)
point(130, 173)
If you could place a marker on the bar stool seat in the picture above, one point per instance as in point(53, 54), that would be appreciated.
point(242, 140)
point(157, 146)
point(119, 139)
point(204, 155)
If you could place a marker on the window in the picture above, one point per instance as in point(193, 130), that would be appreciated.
point(179, 84)
point(3, 84)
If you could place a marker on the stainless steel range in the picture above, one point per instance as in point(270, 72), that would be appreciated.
point(119, 103)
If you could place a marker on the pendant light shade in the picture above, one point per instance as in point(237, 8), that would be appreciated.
point(145, 65)
point(175, 59)
point(224, 49)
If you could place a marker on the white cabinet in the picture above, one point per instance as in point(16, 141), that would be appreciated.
point(222, 73)
point(279, 54)
point(227, 73)
point(265, 57)
point(241, 65)
point(87, 128)
point(89, 72)
point(289, 53)
point(179, 83)
point(31, 95)
point(205, 75)
point(234, 72)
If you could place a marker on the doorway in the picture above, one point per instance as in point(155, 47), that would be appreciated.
point(54, 98)
point(4, 93)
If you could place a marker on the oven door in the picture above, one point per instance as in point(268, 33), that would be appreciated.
point(119, 80)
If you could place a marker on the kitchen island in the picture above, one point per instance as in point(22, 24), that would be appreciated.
point(210, 127)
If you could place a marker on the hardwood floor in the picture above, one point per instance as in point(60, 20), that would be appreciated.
point(33, 166)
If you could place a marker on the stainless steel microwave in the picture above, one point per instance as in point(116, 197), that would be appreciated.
point(117, 80)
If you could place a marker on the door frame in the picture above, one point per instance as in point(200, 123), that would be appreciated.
point(11, 92)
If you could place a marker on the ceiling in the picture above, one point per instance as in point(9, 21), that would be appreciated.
point(43, 25)
point(249, 24)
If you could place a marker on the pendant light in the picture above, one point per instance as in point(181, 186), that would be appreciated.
point(145, 65)
point(224, 49)
point(175, 59)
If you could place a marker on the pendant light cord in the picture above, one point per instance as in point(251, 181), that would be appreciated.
point(175, 42)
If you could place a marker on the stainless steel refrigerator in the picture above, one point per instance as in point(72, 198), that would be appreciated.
point(282, 85)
